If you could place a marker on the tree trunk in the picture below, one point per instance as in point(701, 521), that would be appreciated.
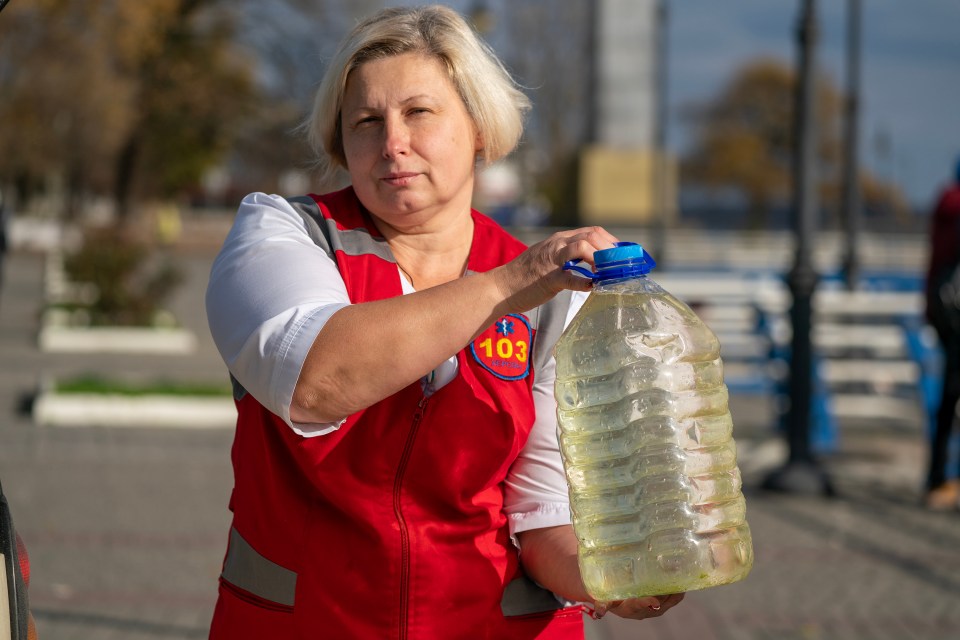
point(124, 177)
point(76, 181)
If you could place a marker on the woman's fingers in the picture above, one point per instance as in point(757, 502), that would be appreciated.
point(580, 246)
point(581, 243)
point(638, 608)
point(642, 608)
point(577, 245)
point(672, 600)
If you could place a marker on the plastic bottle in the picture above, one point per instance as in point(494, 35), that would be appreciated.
point(646, 437)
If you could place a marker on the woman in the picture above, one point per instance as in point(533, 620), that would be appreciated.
point(396, 466)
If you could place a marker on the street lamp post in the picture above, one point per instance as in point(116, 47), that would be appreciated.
point(851, 185)
point(802, 473)
point(661, 190)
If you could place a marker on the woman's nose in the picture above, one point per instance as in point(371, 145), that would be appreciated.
point(396, 138)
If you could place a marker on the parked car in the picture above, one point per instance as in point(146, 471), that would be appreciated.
point(16, 623)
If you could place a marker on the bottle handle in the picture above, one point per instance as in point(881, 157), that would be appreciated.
point(571, 265)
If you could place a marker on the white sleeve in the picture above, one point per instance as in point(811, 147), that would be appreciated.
point(536, 489)
point(271, 290)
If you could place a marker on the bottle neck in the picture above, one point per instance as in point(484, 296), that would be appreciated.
point(622, 270)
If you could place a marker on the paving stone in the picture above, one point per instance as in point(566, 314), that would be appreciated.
point(127, 527)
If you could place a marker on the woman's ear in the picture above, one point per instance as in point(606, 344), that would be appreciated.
point(478, 142)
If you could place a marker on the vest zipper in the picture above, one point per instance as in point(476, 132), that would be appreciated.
point(401, 521)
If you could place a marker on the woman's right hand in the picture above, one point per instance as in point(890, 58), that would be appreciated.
point(537, 274)
point(366, 352)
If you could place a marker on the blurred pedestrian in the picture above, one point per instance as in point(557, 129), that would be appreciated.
point(396, 466)
point(943, 313)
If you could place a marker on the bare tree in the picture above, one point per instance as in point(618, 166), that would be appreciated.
point(549, 50)
point(291, 42)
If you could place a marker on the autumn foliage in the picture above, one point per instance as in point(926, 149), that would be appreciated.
point(124, 99)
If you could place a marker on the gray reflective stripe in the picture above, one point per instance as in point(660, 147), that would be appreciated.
point(324, 233)
point(549, 327)
point(355, 242)
point(247, 569)
point(523, 596)
point(309, 211)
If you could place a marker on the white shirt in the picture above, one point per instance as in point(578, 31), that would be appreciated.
point(271, 291)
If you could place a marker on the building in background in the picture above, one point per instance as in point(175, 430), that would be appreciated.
point(625, 174)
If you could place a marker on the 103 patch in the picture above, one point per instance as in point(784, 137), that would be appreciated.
point(504, 348)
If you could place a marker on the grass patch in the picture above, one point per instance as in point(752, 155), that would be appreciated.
point(99, 385)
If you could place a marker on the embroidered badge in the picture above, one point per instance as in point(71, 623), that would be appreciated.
point(504, 348)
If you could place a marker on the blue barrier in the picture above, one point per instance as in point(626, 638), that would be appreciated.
point(824, 429)
point(760, 376)
point(824, 436)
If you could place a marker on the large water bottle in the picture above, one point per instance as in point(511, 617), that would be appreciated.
point(646, 437)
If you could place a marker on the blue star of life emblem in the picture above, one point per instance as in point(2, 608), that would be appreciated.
point(505, 327)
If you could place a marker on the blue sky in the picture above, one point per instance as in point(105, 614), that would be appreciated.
point(910, 73)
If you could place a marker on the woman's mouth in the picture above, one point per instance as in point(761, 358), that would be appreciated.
point(399, 178)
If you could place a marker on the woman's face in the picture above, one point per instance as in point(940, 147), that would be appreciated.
point(409, 142)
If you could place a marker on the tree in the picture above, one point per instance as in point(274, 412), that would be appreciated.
point(191, 93)
point(129, 98)
point(744, 137)
point(290, 42)
point(549, 51)
point(57, 94)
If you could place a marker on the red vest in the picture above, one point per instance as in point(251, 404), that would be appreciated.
point(391, 526)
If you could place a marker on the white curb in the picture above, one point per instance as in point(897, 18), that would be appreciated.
point(58, 334)
point(116, 340)
point(105, 410)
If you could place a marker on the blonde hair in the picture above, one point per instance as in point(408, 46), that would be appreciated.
point(490, 95)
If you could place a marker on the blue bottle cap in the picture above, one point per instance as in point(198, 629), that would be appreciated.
point(625, 260)
point(623, 251)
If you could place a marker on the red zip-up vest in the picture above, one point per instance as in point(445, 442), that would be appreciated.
point(391, 526)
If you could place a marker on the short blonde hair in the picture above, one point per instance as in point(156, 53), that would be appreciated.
point(489, 93)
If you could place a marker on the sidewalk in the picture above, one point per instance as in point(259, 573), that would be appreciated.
point(127, 527)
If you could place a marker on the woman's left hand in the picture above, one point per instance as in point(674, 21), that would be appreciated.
point(549, 556)
point(639, 608)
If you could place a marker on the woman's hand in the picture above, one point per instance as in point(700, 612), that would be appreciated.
point(549, 557)
point(537, 274)
point(638, 608)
